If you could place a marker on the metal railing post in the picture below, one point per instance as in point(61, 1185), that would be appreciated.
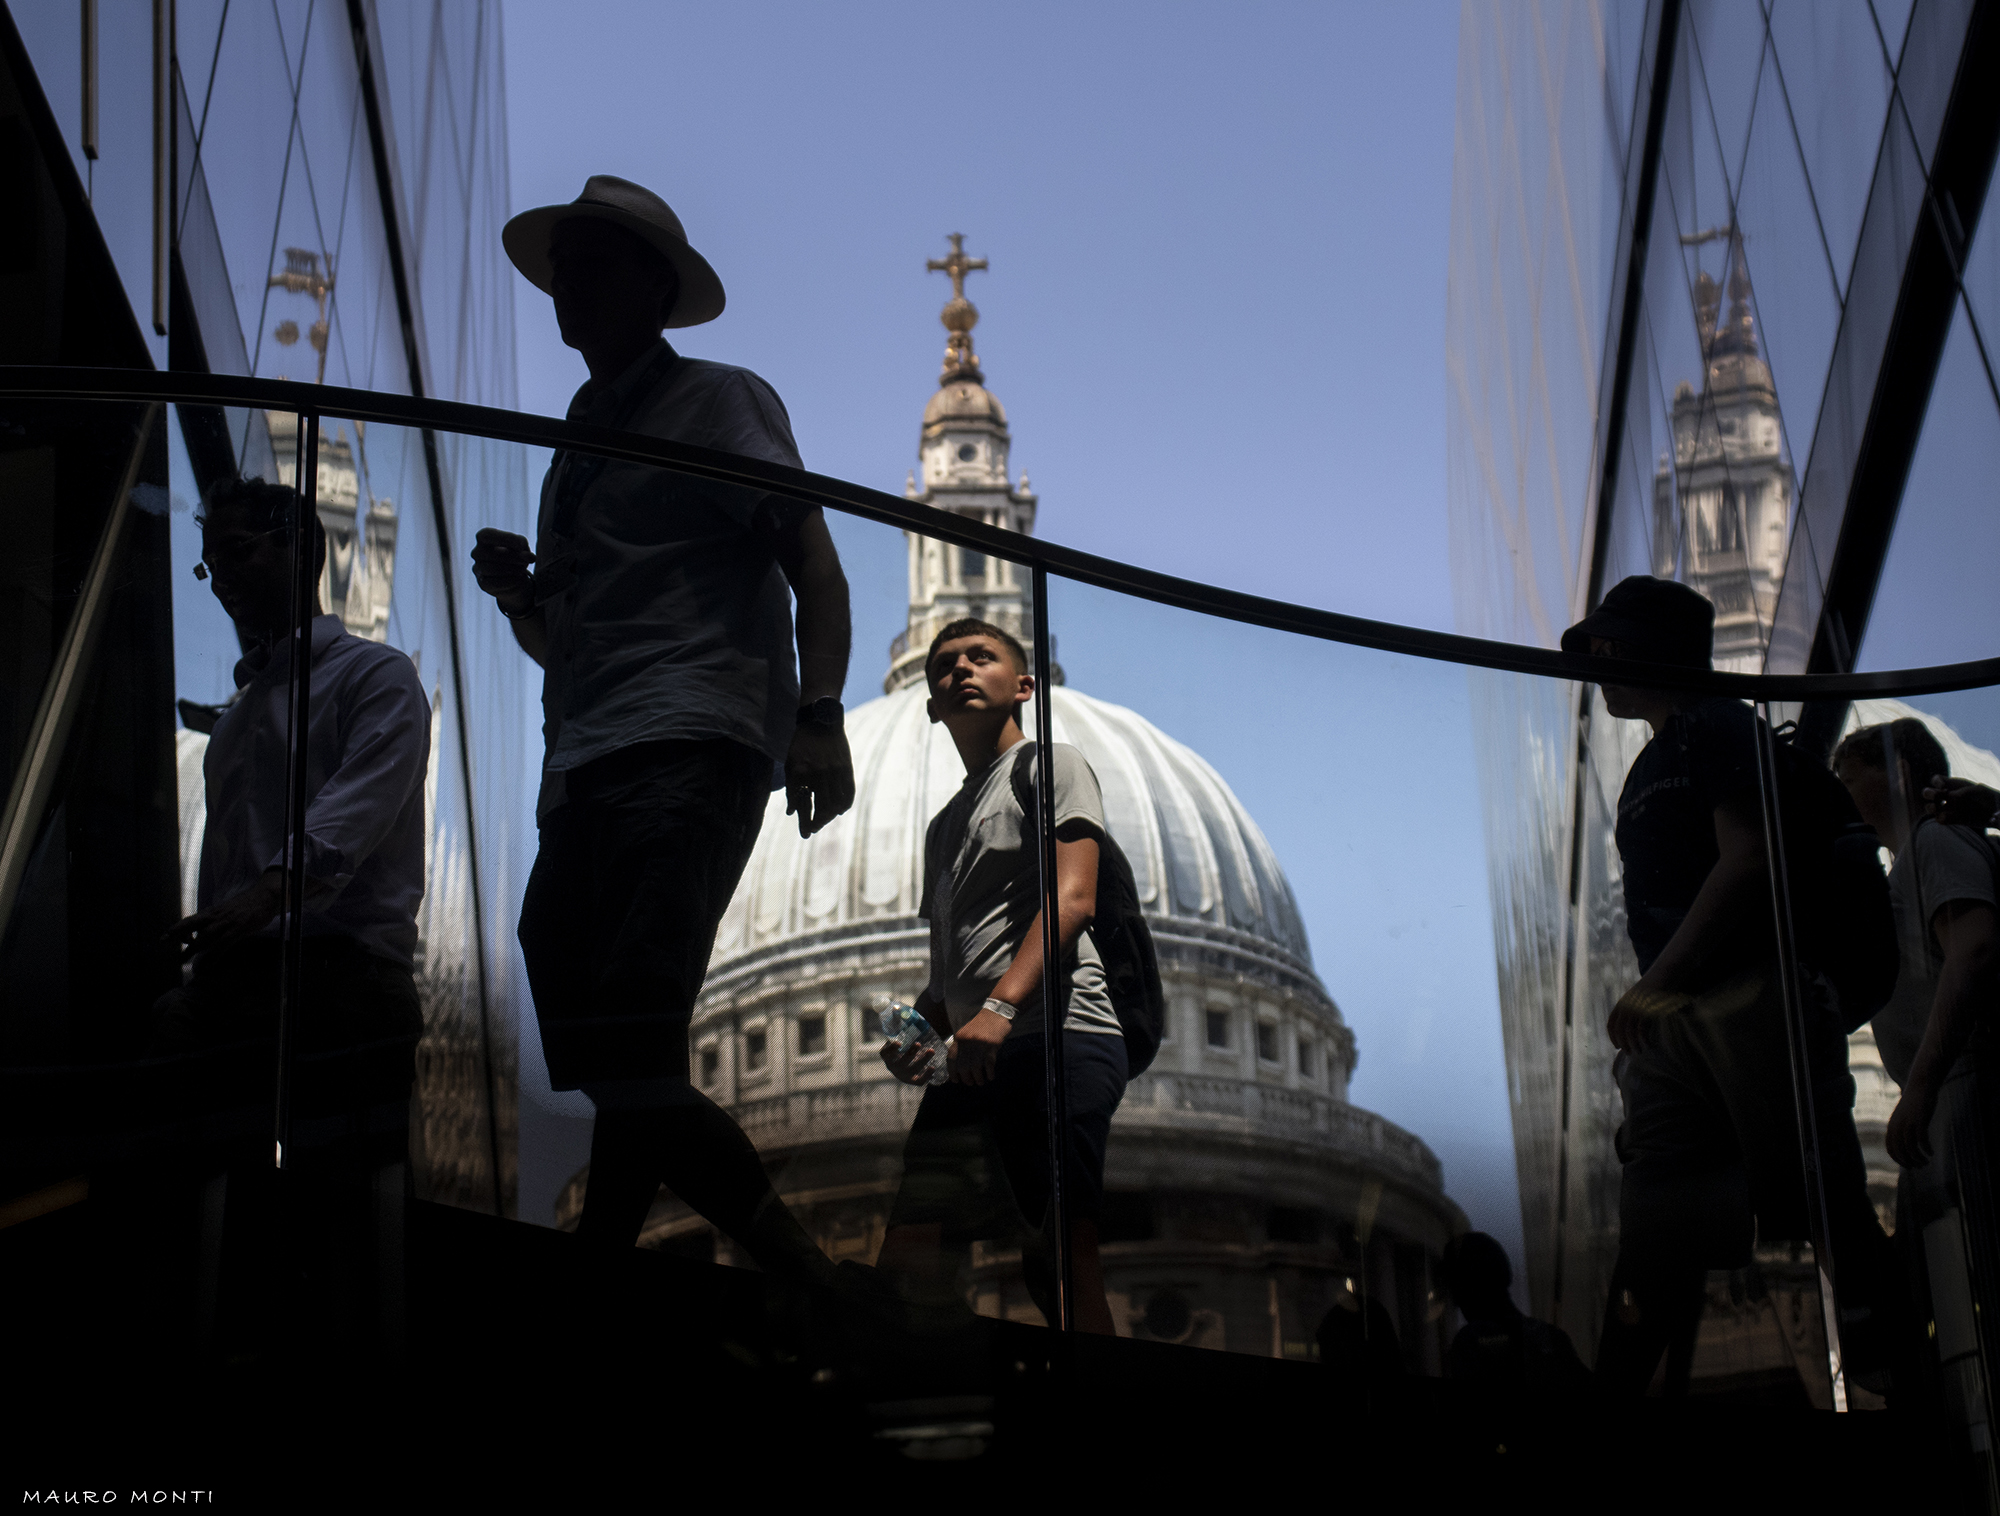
point(1796, 1032)
point(297, 750)
point(1055, 997)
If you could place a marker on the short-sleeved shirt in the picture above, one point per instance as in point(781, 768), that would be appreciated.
point(676, 620)
point(983, 886)
point(1701, 758)
point(1941, 864)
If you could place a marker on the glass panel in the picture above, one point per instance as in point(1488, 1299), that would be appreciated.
point(121, 1084)
point(1982, 280)
point(1934, 603)
point(1534, 231)
point(1792, 273)
point(1725, 49)
point(1833, 93)
point(1706, 484)
point(390, 580)
point(87, 851)
point(1257, 1201)
point(1249, 914)
point(119, 181)
point(443, 93)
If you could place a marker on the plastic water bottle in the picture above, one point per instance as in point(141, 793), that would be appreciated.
point(909, 1028)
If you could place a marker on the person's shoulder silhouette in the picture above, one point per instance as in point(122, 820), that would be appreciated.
point(1499, 1347)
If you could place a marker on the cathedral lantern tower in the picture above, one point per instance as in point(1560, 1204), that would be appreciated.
point(963, 453)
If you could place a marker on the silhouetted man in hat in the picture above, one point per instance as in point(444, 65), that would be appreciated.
point(658, 607)
point(1710, 1144)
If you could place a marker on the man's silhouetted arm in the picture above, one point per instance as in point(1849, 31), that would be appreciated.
point(812, 564)
point(1736, 890)
point(500, 563)
point(819, 771)
point(1969, 933)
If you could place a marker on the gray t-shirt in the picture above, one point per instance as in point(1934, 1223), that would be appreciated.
point(669, 618)
point(983, 886)
point(1941, 864)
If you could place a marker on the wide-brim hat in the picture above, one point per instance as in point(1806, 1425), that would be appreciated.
point(638, 210)
point(1657, 620)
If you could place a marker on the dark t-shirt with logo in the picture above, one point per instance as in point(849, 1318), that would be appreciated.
point(1700, 759)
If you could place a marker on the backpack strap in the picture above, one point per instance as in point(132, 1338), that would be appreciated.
point(1024, 783)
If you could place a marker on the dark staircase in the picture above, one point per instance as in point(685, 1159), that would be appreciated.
point(522, 1370)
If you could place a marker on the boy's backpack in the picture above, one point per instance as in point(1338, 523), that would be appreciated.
point(1124, 942)
point(1842, 920)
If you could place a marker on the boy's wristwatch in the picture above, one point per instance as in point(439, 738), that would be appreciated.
point(1001, 1009)
point(825, 711)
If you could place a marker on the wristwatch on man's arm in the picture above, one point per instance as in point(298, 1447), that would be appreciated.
point(824, 712)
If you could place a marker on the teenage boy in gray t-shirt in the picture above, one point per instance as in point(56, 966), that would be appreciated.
point(977, 1163)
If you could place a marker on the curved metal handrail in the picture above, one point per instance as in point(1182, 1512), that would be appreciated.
point(42, 382)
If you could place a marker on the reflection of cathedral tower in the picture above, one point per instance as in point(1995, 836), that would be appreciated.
point(1245, 1196)
point(964, 454)
point(360, 549)
point(1730, 474)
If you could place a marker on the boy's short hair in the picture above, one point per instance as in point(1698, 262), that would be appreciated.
point(261, 506)
point(969, 626)
point(1908, 738)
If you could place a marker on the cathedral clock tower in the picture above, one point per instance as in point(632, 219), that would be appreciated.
point(1722, 505)
point(963, 454)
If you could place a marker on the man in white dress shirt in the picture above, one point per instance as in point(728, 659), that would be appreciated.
point(368, 742)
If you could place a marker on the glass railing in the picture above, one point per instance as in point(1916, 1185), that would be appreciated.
point(1386, 958)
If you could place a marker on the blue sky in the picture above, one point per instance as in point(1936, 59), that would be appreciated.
point(1215, 314)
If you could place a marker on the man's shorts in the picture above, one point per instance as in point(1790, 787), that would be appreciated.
point(633, 876)
point(977, 1157)
point(1711, 1126)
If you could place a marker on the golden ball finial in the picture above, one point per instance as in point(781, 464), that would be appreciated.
point(959, 314)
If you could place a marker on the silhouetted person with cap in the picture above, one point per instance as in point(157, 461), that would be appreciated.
point(658, 607)
point(1500, 1349)
point(1709, 1144)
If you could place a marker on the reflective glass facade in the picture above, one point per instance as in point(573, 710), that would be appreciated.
point(1755, 218)
point(338, 182)
point(1676, 237)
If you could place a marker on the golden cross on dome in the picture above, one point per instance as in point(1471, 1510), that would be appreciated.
point(957, 265)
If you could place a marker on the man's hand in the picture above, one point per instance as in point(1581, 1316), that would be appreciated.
point(1960, 801)
point(1637, 1012)
point(819, 777)
point(500, 563)
point(912, 1065)
point(976, 1049)
point(244, 914)
point(1909, 1135)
